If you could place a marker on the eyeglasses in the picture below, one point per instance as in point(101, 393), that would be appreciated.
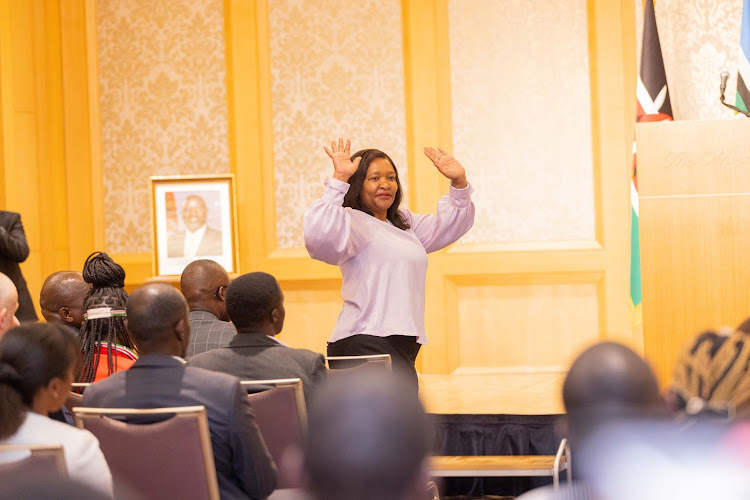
point(218, 290)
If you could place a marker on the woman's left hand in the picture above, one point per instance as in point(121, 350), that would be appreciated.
point(448, 166)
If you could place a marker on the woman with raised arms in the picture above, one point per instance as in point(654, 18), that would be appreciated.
point(382, 250)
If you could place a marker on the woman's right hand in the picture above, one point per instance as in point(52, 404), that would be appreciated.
point(343, 166)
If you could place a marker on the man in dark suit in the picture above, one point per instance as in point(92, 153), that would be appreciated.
point(255, 305)
point(61, 299)
point(198, 239)
point(204, 284)
point(13, 250)
point(157, 318)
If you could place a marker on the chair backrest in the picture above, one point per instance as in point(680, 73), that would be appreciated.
point(31, 461)
point(281, 416)
point(75, 396)
point(168, 457)
point(370, 360)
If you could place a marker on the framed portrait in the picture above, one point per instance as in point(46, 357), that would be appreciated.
point(193, 217)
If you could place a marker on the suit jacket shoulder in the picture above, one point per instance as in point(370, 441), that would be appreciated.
point(207, 332)
point(258, 357)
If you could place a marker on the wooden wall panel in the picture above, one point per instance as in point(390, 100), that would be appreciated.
point(525, 327)
point(311, 312)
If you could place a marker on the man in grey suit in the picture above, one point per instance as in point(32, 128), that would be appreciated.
point(255, 305)
point(158, 321)
point(204, 284)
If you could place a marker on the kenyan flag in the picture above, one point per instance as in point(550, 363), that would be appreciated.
point(653, 106)
point(742, 100)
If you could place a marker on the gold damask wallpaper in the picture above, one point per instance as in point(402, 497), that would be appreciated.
point(522, 117)
point(699, 39)
point(335, 73)
point(163, 104)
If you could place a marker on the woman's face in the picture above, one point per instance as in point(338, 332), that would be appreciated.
point(380, 187)
point(62, 388)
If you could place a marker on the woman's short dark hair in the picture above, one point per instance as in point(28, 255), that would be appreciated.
point(352, 199)
point(30, 356)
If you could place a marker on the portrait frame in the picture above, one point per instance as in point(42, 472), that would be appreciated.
point(193, 217)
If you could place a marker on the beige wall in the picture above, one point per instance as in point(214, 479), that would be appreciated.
point(332, 75)
point(521, 109)
point(163, 104)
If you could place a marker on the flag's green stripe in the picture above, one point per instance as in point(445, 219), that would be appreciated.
point(635, 261)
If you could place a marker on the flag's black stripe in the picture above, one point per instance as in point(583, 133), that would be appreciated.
point(652, 73)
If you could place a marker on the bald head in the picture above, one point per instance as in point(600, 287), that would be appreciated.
point(61, 298)
point(8, 304)
point(368, 438)
point(203, 283)
point(610, 377)
point(157, 318)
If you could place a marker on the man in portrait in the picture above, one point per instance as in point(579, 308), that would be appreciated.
point(198, 239)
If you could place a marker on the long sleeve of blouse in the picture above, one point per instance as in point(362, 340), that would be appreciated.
point(334, 234)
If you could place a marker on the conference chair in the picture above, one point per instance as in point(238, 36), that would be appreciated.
point(75, 396)
point(167, 454)
point(349, 362)
point(281, 415)
point(31, 461)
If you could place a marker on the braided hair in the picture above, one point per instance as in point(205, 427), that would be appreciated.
point(716, 369)
point(107, 279)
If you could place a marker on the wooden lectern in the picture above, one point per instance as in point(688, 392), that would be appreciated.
point(694, 186)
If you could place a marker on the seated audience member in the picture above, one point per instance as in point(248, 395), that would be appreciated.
point(608, 382)
point(368, 439)
point(712, 377)
point(255, 304)
point(204, 284)
point(37, 362)
point(8, 305)
point(158, 321)
point(61, 299)
point(106, 345)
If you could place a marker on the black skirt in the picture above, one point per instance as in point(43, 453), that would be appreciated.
point(402, 348)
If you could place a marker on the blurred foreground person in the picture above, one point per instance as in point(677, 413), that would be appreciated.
point(712, 377)
point(623, 444)
point(368, 440)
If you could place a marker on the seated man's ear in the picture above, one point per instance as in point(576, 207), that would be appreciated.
point(65, 314)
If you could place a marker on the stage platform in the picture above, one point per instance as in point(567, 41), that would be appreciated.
point(493, 414)
point(493, 393)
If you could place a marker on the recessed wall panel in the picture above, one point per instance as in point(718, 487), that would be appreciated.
point(525, 327)
point(522, 117)
point(337, 71)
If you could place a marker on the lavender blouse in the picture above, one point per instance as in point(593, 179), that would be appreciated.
point(383, 267)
